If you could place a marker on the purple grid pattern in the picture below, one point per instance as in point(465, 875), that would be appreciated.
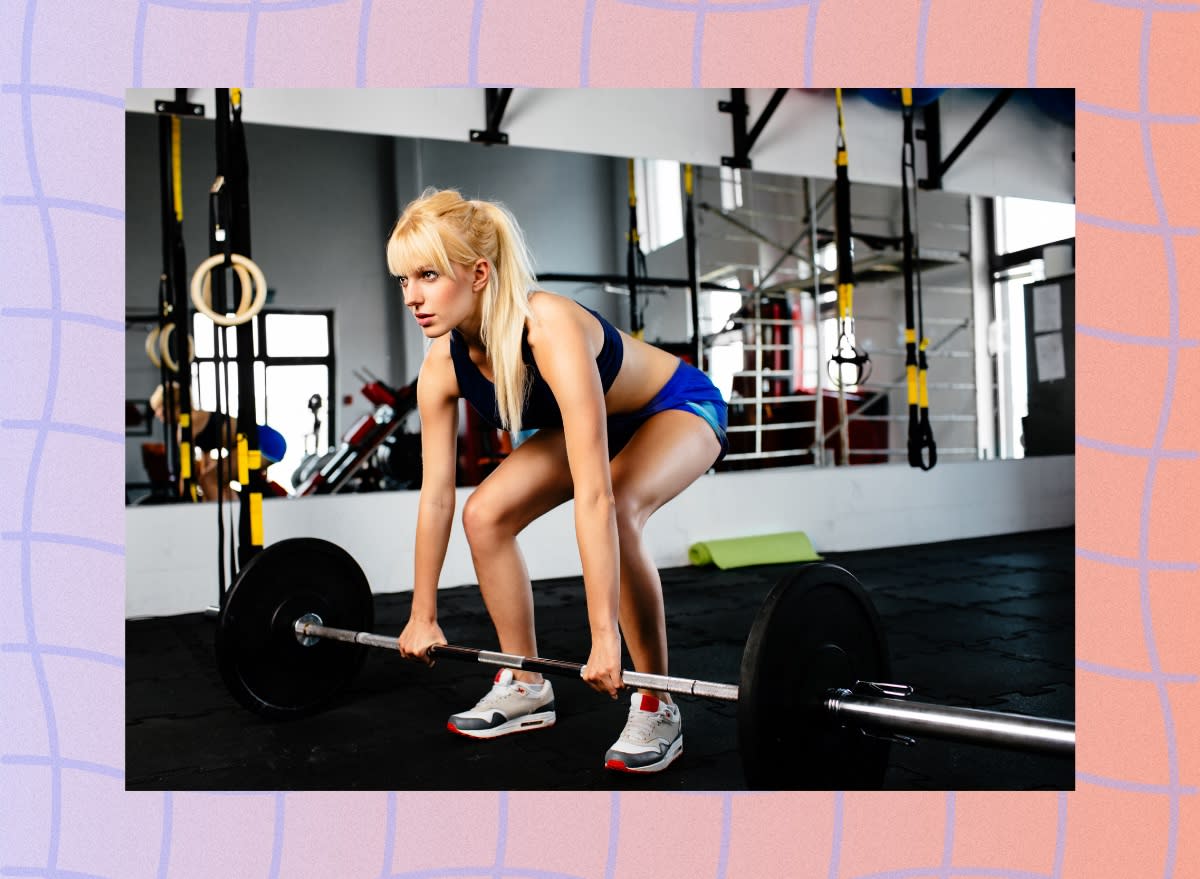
point(34, 204)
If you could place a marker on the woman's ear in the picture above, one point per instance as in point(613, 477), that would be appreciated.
point(482, 273)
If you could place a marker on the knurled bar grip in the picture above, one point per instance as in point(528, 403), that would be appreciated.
point(684, 686)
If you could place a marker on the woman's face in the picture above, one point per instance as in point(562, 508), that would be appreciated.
point(438, 302)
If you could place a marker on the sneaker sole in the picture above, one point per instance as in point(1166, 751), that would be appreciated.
point(526, 723)
point(673, 752)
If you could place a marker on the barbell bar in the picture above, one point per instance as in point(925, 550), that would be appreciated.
point(294, 627)
point(312, 628)
point(854, 707)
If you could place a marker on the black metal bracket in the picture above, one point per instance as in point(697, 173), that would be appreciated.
point(180, 106)
point(743, 140)
point(935, 165)
point(496, 102)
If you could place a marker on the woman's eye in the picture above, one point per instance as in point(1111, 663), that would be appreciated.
point(429, 276)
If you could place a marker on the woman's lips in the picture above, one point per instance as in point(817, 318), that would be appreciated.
point(424, 319)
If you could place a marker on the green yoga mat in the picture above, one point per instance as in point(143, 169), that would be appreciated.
point(766, 549)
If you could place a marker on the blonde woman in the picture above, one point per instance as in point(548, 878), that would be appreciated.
point(622, 427)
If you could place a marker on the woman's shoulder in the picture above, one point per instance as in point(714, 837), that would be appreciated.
point(555, 312)
point(547, 305)
point(437, 369)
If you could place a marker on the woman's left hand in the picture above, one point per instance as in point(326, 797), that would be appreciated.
point(603, 670)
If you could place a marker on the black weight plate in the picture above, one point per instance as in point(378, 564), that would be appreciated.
point(262, 662)
point(816, 631)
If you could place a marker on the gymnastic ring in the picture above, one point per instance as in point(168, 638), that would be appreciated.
point(260, 289)
point(164, 344)
point(244, 284)
point(152, 347)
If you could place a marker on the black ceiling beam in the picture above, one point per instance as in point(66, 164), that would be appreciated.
point(495, 102)
point(932, 135)
point(743, 140)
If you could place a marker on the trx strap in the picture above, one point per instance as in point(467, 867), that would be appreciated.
point(635, 260)
point(920, 434)
point(176, 380)
point(229, 216)
point(845, 353)
point(689, 235)
point(249, 457)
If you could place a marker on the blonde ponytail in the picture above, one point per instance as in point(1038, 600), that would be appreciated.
point(441, 228)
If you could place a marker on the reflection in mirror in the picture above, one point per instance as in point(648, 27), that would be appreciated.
point(336, 375)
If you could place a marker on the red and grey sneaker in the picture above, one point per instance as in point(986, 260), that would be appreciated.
point(509, 707)
point(651, 740)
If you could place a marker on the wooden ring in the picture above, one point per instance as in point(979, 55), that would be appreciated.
point(260, 289)
point(152, 347)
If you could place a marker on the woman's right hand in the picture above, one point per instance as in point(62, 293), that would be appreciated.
point(416, 639)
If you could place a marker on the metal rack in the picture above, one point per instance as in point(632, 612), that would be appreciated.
point(949, 311)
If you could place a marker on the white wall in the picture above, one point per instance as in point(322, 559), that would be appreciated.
point(171, 550)
point(1021, 152)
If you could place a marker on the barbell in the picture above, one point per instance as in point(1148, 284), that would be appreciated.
point(813, 711)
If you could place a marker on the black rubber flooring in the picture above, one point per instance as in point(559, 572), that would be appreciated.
point(985, 622)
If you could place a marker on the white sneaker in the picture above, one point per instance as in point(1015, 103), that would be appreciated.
point(651, 740)
point(510, 707)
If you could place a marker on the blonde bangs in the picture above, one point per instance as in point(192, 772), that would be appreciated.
point(414, 244)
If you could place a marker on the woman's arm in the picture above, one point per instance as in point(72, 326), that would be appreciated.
point(437, 402)
point(566, 359)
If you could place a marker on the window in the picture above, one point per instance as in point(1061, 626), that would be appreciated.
point(297, 365)
point(724, 357)
point(731, 188)
point(660, 202)
point(1022, 223)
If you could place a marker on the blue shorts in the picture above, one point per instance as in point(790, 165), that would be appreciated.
point(689, 390)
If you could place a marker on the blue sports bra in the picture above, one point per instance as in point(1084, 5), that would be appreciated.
point(541, 409)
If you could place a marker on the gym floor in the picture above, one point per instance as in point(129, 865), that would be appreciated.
point(986, 622)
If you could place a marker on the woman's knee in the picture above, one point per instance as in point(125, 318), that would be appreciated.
point(631, 517)
point(485, 519)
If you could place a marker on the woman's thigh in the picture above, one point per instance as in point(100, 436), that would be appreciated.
point(530, 482)
point(665, 455)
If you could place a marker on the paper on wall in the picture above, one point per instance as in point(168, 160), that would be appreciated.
point(1047, 309)
point(1051, 358)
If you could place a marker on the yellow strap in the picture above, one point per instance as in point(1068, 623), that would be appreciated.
point(235, 97)
point(910, 336)
point(632, 187)
point(177, 166)
point(185, 460)
point(640, 335)
point(256, 462)
point(185, 419)
point(906, 97)
point(243, 459)
point(687, 179)
point(845, 300)
point(256, 527)
point(912, 384)
point(924, 380)
point(837, 93)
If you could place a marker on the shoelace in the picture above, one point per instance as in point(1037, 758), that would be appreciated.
point(640, 726)
point(497, 694)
